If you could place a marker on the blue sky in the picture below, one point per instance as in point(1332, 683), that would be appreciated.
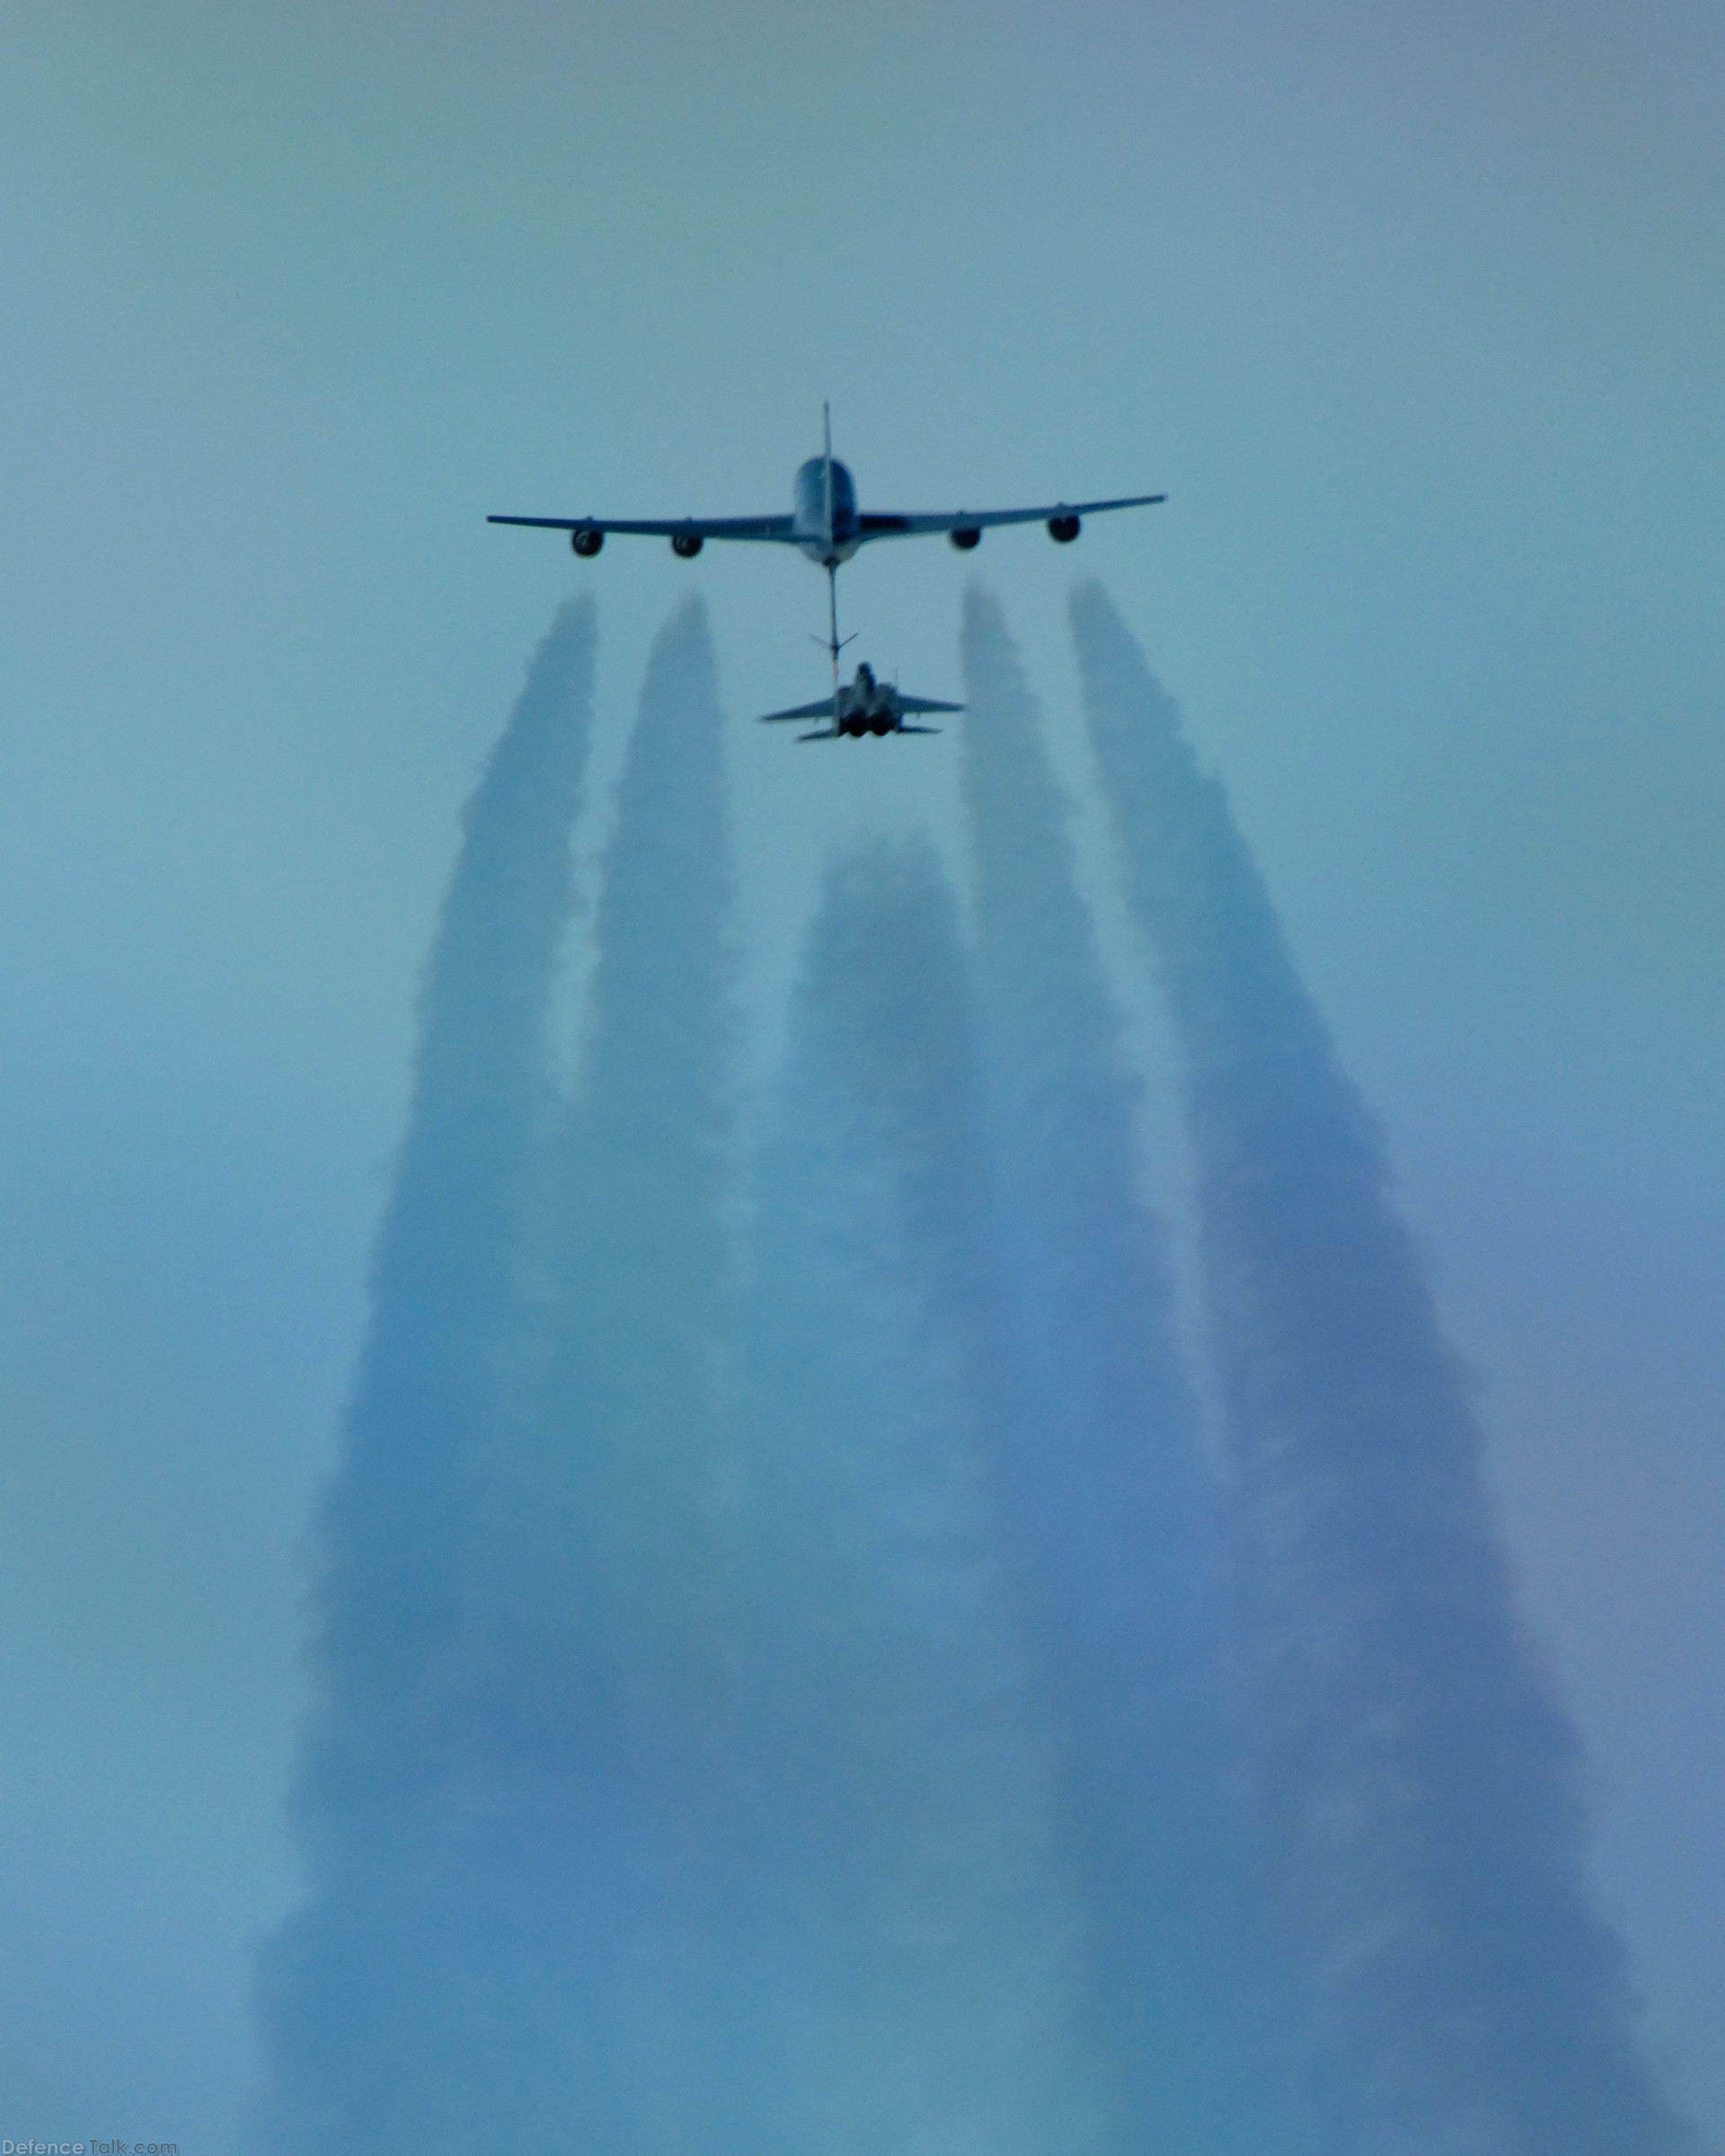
point(1417, 319)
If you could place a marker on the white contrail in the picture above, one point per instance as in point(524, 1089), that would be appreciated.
point(1421, 1781)
point(371, 1996)
point(1112, 1496)
point(621, 1564)
point(921, 1935)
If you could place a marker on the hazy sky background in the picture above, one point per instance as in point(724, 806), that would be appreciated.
point(1417, 316)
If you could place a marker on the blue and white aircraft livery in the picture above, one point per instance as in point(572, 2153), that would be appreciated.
point(825, 525)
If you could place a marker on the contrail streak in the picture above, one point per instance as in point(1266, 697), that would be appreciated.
point(1109, 1493)
point(627, 1495)
point(368, 1998)
point(620, 1560)
point(919, 1937)
point(1421, 1781)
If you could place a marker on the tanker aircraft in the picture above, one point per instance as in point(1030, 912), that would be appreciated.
point(825, 525)
point(862, 706)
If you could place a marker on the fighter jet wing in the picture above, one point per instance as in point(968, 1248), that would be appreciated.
point(823, 710)
point(673, 527)
point(878, 526)
point(925, 703)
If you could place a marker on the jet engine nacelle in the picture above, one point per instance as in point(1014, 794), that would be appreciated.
point(967, 536)
point(1063, 529)
point(685, 543)
point(586, 543)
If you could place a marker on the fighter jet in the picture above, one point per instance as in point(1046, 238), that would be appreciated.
point(862, 706)
point(825, 525)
